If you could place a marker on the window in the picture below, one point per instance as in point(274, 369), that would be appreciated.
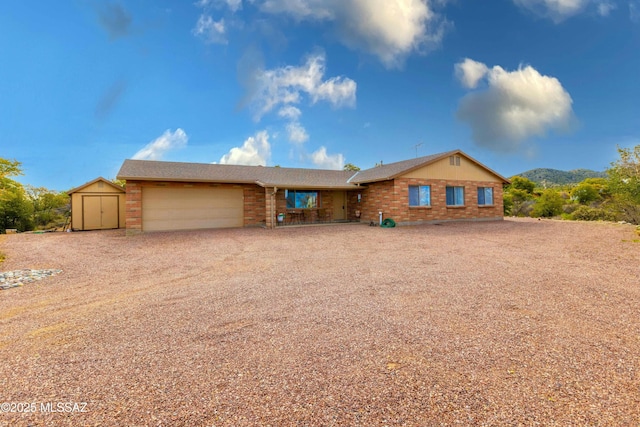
point(302, 199)
point(419, 195)
point(454, 160)
point(485, 196)
point(455, 196)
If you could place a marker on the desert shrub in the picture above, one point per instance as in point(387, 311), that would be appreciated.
point(569, 208)
point(523, 208)
point(587, 213)
point(623, 208)
point(507, 204)
point(549, 204)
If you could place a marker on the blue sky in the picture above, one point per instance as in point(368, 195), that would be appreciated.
point(517, 84)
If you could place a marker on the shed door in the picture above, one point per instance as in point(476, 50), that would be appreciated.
point(99, 212)
point(191, 208)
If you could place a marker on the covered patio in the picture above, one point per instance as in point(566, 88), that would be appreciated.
point(295, 207)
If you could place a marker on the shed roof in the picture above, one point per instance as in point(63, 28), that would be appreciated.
point(87, 184)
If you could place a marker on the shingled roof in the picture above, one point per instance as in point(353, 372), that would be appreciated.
point(149, 170)
point(392, 170)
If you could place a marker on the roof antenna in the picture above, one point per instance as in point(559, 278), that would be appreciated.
point(416, 147)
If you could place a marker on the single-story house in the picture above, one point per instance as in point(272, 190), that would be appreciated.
point(178, 196)
point(97, 205)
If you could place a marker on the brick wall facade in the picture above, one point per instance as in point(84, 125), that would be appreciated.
point(392, 198)
point(133, 207)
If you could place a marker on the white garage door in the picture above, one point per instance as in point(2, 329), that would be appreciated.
point(191, 208)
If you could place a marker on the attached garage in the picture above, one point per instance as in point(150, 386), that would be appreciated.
point(97, 205)
point(190, 208)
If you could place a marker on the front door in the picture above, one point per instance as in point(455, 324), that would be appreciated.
point(339, 205)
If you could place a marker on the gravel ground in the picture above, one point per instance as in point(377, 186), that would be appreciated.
point(515, 322)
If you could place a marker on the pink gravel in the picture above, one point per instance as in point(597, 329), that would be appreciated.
point(515, 322)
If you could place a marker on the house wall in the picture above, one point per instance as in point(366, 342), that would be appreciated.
point(392, 198)
point(254, 201)
point(98, 188)
point(462, 170)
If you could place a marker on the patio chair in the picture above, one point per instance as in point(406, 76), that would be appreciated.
point(322, 215)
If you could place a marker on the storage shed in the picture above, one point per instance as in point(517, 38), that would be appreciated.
point(97, 205)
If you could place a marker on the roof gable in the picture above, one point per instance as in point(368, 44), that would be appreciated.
point(95, 181)
point(393, 170)
point(457, 166)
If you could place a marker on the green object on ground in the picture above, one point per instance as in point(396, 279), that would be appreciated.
point(388, 223)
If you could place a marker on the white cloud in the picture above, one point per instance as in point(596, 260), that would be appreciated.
point(156, 149)
point(556, 10)
point(516, 106)
point(256, 151)
point(300, 9)
point(234, 5)
point(605, 7)
point(290, 112)
point(388, 29)
point(211, 31)
point(286, 85)
point(470, 72)
point(560, 10)
point(297, 133)
point(321, 159)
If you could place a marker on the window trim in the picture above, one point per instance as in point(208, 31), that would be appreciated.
point(418, 187)
point(483, 188)
point(455, 205)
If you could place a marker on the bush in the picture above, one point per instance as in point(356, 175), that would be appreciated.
point(624, 209)
point(586, 213)
point(569, 208)
point(548, 205)
point(585, 193)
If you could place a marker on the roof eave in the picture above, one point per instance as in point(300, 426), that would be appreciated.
point(194, 180)
point(306, 187)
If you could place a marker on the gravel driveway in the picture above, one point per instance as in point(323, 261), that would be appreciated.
point(515, 322)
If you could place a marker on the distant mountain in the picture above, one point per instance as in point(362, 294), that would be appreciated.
point(544, 176)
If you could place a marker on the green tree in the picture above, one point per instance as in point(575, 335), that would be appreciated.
point(9, 168)
point(351, 167)
point(624, 174)
point(549, 204)
point(521, 183)
point(122, 183)
point(624, 184)
point(15, 209)
point(48, 206)
point(585, 193)
point(518, 196)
